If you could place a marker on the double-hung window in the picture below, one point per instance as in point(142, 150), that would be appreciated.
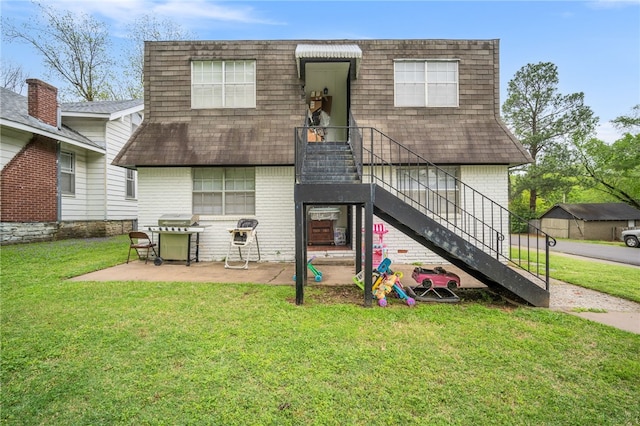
point(223, 84)
point(421, 83)
point(435, 189)
point(130, 181)
point(67, 173)
point(224, 191)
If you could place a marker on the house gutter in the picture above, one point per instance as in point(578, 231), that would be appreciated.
point(51, 135)
point(106, 115)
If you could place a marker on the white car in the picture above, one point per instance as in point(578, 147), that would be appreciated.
point(631, 237)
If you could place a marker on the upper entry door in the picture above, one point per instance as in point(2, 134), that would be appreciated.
point(334, 77)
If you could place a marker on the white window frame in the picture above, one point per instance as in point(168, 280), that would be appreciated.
point(68, 171)
point(431, 83)
point(223, 84)
point(444, 195)
point(221, 191)
point(130, 183)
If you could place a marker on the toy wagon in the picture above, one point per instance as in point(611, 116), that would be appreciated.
point(434, 285)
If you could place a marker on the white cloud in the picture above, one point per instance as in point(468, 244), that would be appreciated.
point(607, 133)
point(612, 4)
point(185, 12)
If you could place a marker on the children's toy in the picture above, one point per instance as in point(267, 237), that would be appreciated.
point(316, 273)
point(434, 285)
point(410, 301)
point(383, 267)
point(391, 283)
point(385, 281)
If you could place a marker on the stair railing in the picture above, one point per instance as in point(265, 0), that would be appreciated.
point(441, 195)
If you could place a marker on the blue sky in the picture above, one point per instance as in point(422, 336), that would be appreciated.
point(595, 44)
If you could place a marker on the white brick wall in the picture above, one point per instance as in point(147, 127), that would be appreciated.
point(168, 190)
point(492, 181)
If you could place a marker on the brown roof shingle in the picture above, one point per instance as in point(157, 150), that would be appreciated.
point(173, 134)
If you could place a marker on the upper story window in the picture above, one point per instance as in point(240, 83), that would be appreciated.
point(426, 83)
point(67, 173)
point(223, 84)
point(130, 182)
point(224, 191)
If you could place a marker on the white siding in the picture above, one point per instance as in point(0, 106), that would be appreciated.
point(118, 205)
point(106, 187)
point(95, 187)
point(74, 207)
point(91, 193)
point(12, 142)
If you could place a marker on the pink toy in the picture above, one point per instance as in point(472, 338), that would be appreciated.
point(434, 285)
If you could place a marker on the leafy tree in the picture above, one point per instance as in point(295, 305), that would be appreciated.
point(544, 120)
point(146, 28)
point(629, 123)
point(614, 169)
point(74, 47)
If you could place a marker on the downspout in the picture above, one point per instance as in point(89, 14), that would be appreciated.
point(58, 171)
point(105, 173)
point(105, 167)
point(58, 190)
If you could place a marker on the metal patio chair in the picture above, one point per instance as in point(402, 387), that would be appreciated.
point(140, 241)
point(242, 237)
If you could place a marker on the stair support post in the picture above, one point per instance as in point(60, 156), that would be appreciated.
point(301, 251)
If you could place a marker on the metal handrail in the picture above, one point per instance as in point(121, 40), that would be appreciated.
point(443, 197)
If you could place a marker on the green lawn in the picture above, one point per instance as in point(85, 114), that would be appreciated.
point(137, 353)
point(617, 280)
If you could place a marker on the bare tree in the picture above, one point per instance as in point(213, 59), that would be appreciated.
point(146, 28)
point(74, 47)
point(12, 76)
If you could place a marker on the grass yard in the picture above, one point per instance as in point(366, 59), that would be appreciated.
point(77, 353)
point(616, 280)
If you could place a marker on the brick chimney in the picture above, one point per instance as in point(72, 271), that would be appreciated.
point(43, 101)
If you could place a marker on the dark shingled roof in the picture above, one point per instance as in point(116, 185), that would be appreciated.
point(14, 108)
point(593, 212)
point(173, 134)
point(100, 107)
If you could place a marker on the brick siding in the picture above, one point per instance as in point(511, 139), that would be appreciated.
point(28, 184)
point(43, 101)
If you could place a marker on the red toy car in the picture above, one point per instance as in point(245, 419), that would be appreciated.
point(436, 277)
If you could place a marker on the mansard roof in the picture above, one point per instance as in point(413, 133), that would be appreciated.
point(174, 134)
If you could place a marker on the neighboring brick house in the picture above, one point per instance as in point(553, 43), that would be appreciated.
point(57, 179)
point(190, 129)
point(589, 221)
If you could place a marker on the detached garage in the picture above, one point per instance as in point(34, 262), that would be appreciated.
point(589, 221)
